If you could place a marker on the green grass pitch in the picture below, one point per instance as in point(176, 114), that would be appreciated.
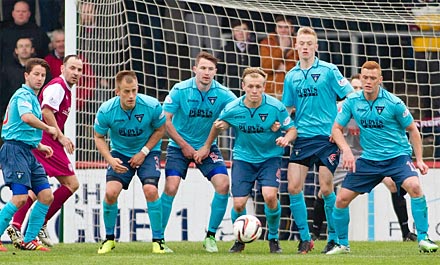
point(193, 253)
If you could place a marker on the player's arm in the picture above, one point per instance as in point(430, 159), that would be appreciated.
point(155, 137)
point(216, 128)
point(49, 118)
point(347, 156)
point(416, 141)
point(33, 121)
point(289, 137)
point(187, 150)
point(104, 150)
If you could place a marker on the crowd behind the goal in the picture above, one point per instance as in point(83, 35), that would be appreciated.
point(274, 93)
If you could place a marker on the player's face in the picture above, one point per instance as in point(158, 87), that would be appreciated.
point(371, 80)
point(307, 45)
point(284, 28)
point(254, 88)
point(72, 70)
point(127, 93)
point(356, 84)
point(24, 49)
point(205, 71)
point(240, 32)
point(35, 79)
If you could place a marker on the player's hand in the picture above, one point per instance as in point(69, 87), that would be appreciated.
point(423, 167)
point(67, 144)
point(188, 151)
point(201, 154)
point(282, 141)
point(221, 125)
point(47, 150)
point(117, 165)
point(275, 126)
point(349, 161)
point(331, 140)
point(53, 131)
point(137, 160)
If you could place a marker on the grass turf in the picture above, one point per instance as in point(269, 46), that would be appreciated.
point(193, 253)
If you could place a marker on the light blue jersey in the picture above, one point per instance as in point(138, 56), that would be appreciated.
point(313, 93)
point(382, 124)
point(195, 111)
point(130, 130)
point(254, 139)
point(23, 101)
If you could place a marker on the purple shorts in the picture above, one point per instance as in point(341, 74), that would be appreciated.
point(58, 164)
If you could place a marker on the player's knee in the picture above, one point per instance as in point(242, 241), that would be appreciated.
point(111, 197)
point(294, 189)
point(239, 207)
point(46, 199)
point(342, 202)
point(270, 199)
point(172, 186)
point(73, 185)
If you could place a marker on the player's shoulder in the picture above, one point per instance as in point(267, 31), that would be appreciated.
point(390, 97)
point(355, 95)
point(185, 84)
point(323, 65)
point(274, 102)
point(148, 101)
point(236, 103)
point(110, 105)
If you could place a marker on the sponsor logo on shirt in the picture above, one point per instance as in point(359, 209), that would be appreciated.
point(307, 92)
point(133, 132)
point(250, 128)
point(372, 124)
point(343, 82)
point(204, 113)
point(405, 113)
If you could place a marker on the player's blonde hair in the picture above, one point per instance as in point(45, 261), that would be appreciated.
point(254, 72)
point(307, 31)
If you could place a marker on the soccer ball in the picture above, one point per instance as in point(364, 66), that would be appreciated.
point(247, 228)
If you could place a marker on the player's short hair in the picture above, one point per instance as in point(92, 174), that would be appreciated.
point(355, 76)
point(307, 30)
point(31, 63)
point(207, 56)
point(127, 75)
point(371, 65)
point(67, 58)
point(254, 72)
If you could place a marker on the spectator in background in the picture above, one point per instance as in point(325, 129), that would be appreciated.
point(12, 74)
point(56, 56)
point(18, 28)
point(278, 55)
point(239, 53)
point(50, 15)
point(8, 5)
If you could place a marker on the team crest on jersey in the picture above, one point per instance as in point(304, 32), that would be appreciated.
point(379, 109)
point(315, 77)
point(139, 117)
point(212, 100)
point(19, 174)
point(263, 116)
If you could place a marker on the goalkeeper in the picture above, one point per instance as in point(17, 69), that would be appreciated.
point(257, 150)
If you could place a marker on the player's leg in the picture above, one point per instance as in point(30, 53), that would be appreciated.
point(110, 212)
point(329, 197)
point(399, 205)
point(14, 230)
point(296, 174)
point(37, 216)
point(149, 174)
point(214, 169)
point(238, 209)
point(419, 211)
point(341, 218)
point(175, 169)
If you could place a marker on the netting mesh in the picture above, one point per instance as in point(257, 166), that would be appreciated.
point(159, 40)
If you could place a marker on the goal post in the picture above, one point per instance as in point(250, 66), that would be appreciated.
point(158, 39)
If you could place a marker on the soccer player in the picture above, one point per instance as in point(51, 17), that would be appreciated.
point(257, 149)
point(55, 99)
point(136, 125)
point(383, 120)
point(191, 108)
point(22, 132)
point(351, 134)
point(312, 87)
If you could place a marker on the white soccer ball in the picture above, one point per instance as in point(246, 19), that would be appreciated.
point(247, 228)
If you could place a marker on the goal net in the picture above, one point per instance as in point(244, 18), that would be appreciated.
point(159, 39)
